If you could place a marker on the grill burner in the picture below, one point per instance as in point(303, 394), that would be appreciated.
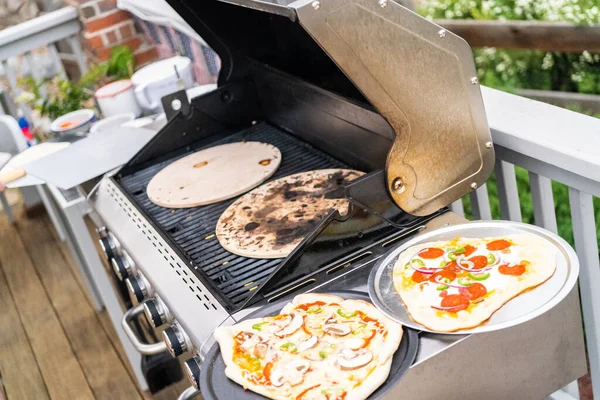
point(192, 229)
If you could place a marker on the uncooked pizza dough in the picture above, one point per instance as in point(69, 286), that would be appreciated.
point(272, 220)
point(458, 284)
point(319, 347)
point(215, 174)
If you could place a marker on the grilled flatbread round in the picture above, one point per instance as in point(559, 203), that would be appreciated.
point(451, 285)
point(319, 346)
point(272, 220)
point(215, 174)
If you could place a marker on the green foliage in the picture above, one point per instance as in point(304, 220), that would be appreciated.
point(528, 69)
point(66, 96)
point(531, 69)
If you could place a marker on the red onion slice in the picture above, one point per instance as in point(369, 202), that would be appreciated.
point(423, 271)
point(447, 284)
point(460, 260)
point(445, 308)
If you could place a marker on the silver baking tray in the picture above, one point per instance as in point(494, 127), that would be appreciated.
point(521, 309)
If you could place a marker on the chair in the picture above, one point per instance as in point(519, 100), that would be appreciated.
point(11, 142)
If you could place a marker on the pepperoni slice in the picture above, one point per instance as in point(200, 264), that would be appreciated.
point(498, 245)
point(479, 261)
point(457, 301)
point(452, 267)
point(419, 277)
point(515, 270)
point(468, 250)
point(445, 273)
point(477, 290)
point(443, 293)
point(431, 253)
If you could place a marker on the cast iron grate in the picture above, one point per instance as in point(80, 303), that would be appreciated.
point(192, 229)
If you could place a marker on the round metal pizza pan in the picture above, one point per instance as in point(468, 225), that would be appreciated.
point(522, 308)
point(214, 384)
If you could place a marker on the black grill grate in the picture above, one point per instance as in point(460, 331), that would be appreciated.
point(192, 229)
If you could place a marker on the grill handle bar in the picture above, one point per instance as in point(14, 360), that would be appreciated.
point(188, 393)
point(142, 348)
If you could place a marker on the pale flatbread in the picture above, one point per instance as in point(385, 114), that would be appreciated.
point(239, 343)
point(420, 298)
point(272, 220)
point(215, 174)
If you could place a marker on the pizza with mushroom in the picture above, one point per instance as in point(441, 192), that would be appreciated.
point(319, 347)
point(458, 284)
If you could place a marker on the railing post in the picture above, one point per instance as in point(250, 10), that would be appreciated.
point(458, 208)
point(508, 194)
point(480, 203)
point(543, 202)
point(584, 230)
point(75, 44)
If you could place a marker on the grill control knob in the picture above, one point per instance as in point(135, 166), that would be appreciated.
point(156, 312)
point(108, 243)
point(192, 370)
point(138, 288)
point(176, 340)
point(122, 266)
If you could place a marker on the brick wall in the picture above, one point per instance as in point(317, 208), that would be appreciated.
point(106, 26)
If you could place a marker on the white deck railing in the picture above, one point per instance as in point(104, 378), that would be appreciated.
point(557, 145)
point(40, 32)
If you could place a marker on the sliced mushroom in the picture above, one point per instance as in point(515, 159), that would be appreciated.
point(337, 329)
point(301, 366)
point(295, 323)
point(349, 360)
point(331, 319)
point(308, 343)
point(277, 378)
point(260, 350)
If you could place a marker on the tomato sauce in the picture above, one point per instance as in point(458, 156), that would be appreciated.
point(306, 306)
point(267, 371)
point(431, 253)
point(498, 245)
point(368, 340)
point(301, 395)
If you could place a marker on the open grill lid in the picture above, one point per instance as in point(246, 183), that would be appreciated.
point(419, 77)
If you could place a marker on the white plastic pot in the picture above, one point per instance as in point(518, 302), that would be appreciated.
point(118, 98)
point(159, 79)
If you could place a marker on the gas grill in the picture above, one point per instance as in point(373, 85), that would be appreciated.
point(359, 84)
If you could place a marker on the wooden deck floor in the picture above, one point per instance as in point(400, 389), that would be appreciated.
point(53, 345)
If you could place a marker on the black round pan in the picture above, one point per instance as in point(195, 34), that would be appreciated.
point(214, 385)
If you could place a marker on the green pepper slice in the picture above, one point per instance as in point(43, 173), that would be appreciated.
point(314, 310)
point(452, 255)
point(479, 277)
point(326, 350)
point(330, 391)
point(443, 280)
point(464, 281)
point(491, 258)
point(346, 314)
point(291, 347)
point(442, 287)
point(359, 330)
point(258, 326)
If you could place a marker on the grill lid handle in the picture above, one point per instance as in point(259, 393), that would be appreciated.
point(422, 80)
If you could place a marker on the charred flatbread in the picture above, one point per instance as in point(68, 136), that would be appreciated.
point(320, 346)
point(270, 221)
point(458, 284)
point(214, 174)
